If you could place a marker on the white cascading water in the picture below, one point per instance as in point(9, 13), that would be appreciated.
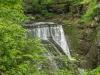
point(58, 36)
point(55, 32)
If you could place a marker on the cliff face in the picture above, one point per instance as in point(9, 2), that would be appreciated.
point(84, 37)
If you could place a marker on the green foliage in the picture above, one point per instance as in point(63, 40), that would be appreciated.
point(64, 72)
point(17, 54)
point(48, 2)
point(93, 72)
point(91, 10)
point(75, 2)
point(11, 10)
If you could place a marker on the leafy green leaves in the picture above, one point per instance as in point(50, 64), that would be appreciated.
point(91, 10)
point(16, 52)
point(93, 72)
point(11, 10)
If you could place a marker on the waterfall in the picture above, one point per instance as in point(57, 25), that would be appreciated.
point(58, 36)
point(50, 30)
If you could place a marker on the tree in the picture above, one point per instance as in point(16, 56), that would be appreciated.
point(17, 53)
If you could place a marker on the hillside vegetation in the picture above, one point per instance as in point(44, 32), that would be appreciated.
point(22, 56)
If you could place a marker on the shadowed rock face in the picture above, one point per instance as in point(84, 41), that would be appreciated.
point(88, 48)
point(86, 44)
point(58, 7)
